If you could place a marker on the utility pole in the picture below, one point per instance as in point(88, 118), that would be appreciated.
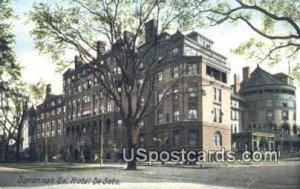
point(46, 147)
point(101, 140)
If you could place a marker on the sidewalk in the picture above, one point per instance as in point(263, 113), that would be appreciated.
point(15, 167)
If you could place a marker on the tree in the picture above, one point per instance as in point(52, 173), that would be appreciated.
point(9, 69)
point(12, 120)
point(128, 71)
point(14, 110)
point(277, 23)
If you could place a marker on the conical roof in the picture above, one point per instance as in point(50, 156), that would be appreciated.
point(260, 77)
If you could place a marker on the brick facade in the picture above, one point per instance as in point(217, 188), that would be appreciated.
point(194, 115)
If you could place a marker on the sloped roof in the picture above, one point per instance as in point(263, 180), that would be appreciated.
point(260, 77)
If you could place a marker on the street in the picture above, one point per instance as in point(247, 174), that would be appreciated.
point(278, 175)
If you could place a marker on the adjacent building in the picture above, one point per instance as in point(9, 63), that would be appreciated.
point(269, 112)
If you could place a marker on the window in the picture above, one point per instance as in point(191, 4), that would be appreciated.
point(270, 115)
point(233, 115)
point(284, 103)
point(109, 107)
point(58, 110)
point(102, 109)
point(85, 85)
point(120, 123)
point(285, 130)
point(141, 124)
point(217, 139)
point(59, 131)
point(176, 72)
point(269, 103)
point(117, 70)
point(285, 115)
point(216, 74)
point(86, 99)
point(141, 66)
point(192, 90)
point(175, 93)
point(188, 51)
point(160, 76)
point(59, 122)
point(192, 138)
point(217, 94)
point(160, 117)
point(142, 141)
point(53, 131)
point(291, 103)
point(176, 138)
point(160, 96)
point(192, 69)
point(233, 128)
point(140, 82)
point(192, 114)
point(176, 115)
point(175, 51)
point(217, 115)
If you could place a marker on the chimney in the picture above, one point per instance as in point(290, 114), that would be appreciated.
point(236, 85)
point(127, 36)
point(48, 90)
point(100, 48)
point(246, 73)
point(77, 61)
point(150, 30)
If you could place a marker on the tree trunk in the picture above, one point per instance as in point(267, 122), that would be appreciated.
point(132, 136)
point(6, 151)
point(18, 143)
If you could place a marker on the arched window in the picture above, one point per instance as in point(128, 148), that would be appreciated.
point(176, 138)
point(142, 141)
point(217, 139)
point(285, 130)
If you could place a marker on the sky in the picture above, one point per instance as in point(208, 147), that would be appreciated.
point(39, 67)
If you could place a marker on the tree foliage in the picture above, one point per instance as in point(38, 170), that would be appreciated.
point(9, 69)
point(127, 73)
point(14, 94)
point(277, 23)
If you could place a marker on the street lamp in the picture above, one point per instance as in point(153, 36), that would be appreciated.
point(46, 147)
point(101, 139)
